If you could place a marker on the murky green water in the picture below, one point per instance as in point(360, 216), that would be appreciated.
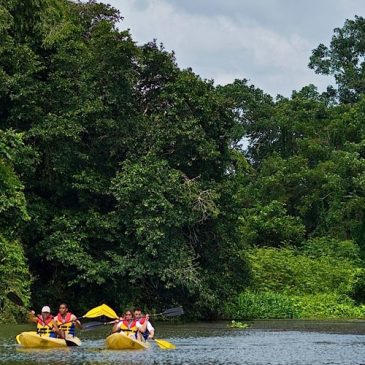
point(265, 343)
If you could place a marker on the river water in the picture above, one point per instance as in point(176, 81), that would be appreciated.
point(264, 343)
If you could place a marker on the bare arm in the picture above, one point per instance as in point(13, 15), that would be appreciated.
point(76, 321)
point(115, 328)
point(151, 330)
point(151, 334)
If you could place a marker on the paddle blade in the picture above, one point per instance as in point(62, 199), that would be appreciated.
point(70, 343)
point(94, 312)
point(101, 310)
point(108, 312)
point(15, 298)
point(165, 345)
point(173, 312)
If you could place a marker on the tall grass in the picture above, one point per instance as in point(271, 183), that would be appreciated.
point(270, 305)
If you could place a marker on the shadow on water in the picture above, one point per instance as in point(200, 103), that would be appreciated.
point(264, 343)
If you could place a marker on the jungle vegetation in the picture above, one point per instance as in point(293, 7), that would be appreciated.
point(123, 178)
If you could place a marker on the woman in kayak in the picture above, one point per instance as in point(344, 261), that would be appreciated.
point(126, 324)
point(45, 323)
point(66, 321)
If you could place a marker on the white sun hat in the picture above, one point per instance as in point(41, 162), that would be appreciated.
point(46, 309)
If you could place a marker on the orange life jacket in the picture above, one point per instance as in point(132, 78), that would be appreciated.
point(65, 324)
point(128, 326)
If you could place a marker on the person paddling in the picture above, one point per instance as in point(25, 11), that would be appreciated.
point(45, 323)
point(66, 321)
point(126, 324)
point(144, 326)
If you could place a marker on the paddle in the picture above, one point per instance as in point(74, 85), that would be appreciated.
point(165, 345)
point(90, 325)
point(101, 310)
point(108, 312)
point(172, 312)
point(15, 299)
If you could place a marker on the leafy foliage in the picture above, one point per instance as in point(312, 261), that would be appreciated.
point(15, 278)
point(123, 179)
point(271, 305)
point(126, 189)
point(13, 265)
point(344, 59)
point(286, 271)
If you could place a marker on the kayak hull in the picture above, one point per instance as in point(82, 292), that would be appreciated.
point(120, 341)
point(34, 340)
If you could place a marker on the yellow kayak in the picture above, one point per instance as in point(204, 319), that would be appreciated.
point(33, 339)
point(120, 341)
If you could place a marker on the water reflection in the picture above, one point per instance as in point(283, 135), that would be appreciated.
point(274, 343)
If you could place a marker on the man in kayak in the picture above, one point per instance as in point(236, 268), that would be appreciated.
point(144, 326)
point(126, 324)
point(66, 321)
point(45, 323)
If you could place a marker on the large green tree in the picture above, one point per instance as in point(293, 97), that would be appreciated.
point(129, 190)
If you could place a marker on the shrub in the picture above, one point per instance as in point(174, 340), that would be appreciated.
point(358, 288)
point(15, 277)
point(291, 272)
point(265, 305)
point(270, 305)
point(321, 306)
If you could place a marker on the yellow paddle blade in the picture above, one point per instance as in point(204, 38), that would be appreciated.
point(108, 312)
point(101, 310)
point(94, 312)
point(165, 345)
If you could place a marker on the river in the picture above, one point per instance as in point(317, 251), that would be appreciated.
point(264, 343)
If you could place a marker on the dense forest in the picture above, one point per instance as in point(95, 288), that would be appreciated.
point(123, 178)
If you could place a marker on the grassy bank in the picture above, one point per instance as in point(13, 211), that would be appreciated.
point(322, 279)
point(271, 305)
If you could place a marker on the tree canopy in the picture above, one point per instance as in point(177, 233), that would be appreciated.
point(123, 177)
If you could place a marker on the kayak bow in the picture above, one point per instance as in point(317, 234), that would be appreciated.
point(120, 341)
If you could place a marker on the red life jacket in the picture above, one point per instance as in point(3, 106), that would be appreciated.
point(44, 322)
point(65, 324)
point(61, 320)
point(128, 326)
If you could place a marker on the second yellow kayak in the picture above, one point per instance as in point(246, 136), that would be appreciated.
point(33, 339)
point(120, 341)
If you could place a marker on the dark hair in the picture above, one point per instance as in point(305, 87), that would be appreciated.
point(66, 305)
point(139, 309)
